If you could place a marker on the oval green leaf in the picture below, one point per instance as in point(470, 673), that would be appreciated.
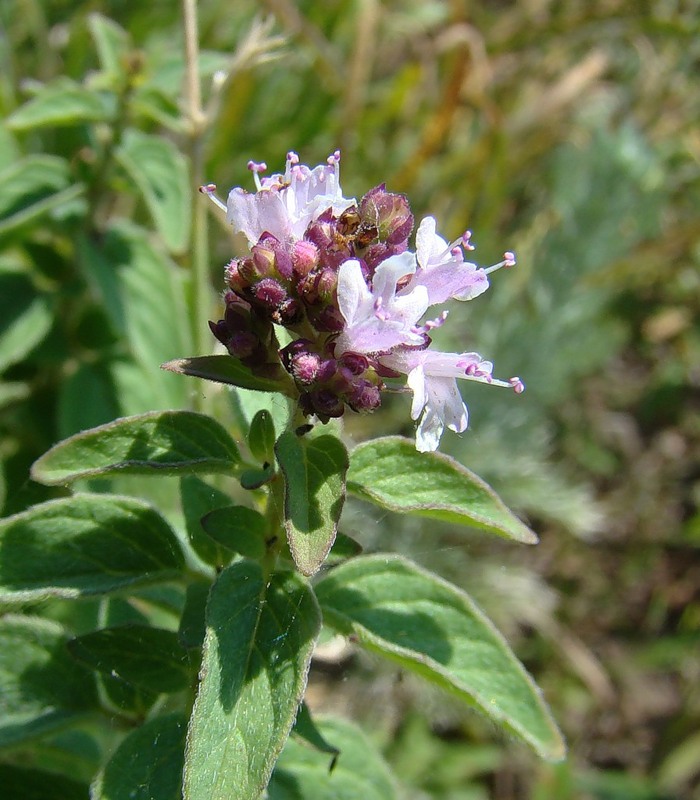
point(147, 764)
point(41, 687)
point(303, 774)
point(238, 529)
point(417, 619)
point(198, 498)
point(169, 442)
point(83, 545)
point(261, 436)
point(139, 655)
point(392, 474)
point(314, 472)
point(257, 651)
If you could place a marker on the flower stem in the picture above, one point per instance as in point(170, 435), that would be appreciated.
point(196, 128)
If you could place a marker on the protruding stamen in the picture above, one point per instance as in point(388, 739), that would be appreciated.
point(257, 167)
point(431, 324)
point(474, 371)
point(292, 158)
point(508, 261)
point(517, 384)
point(467, 241)
point(209, 189)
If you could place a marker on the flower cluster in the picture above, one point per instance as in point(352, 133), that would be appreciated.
point(338, 275)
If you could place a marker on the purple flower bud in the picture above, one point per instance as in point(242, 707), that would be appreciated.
point(366, 397)
point(263, 261)
point(232, 277)
point(390, 213)
point(304, 257)
point(270, 293)
point(356, 363)
point(242, 344)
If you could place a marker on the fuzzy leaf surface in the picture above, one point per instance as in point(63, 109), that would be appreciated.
point(303, 774)
point(226, 369)
point(392, 474)
point(314, 472)
point(147, 764)
point(417, 619)
point(257, 650)
point(82, 545)
point(41, 687)
point(168, 442)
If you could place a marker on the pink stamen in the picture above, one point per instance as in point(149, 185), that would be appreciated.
point(379, 312)
point(431, 324)
point(466, 241)
point(257, 166)
point(209, 189)
point(517, 384)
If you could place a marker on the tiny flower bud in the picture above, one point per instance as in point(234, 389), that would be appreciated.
point(304, 257)
point(270, 293)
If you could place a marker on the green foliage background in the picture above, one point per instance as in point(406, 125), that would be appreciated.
point(566, 131)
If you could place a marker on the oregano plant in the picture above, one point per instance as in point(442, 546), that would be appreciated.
point(201, 623)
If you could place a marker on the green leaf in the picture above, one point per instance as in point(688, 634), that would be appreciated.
point(198, 499)
point(229, 370)
point(147, 764)
point(411, 616)
point(41, 687)
point(13, 392)
point(238, 529)
point(344, 547)
point(192, 626)
point(392, 474)
point(255, 478)
point(25, 318)
point(303, 774)
point(168, 442)
point(63, 102)
point(32, 187)
point(261, 437)
point(306, 729)
point(159, 171)
point(142, 292)
point(260, 637)
point(142, 656)
point(93, 381)
point(112, 43)
point(82, 545)
point(34, 784)
point(314, 472)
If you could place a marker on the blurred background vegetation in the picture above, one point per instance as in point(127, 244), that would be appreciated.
point(565, 130)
